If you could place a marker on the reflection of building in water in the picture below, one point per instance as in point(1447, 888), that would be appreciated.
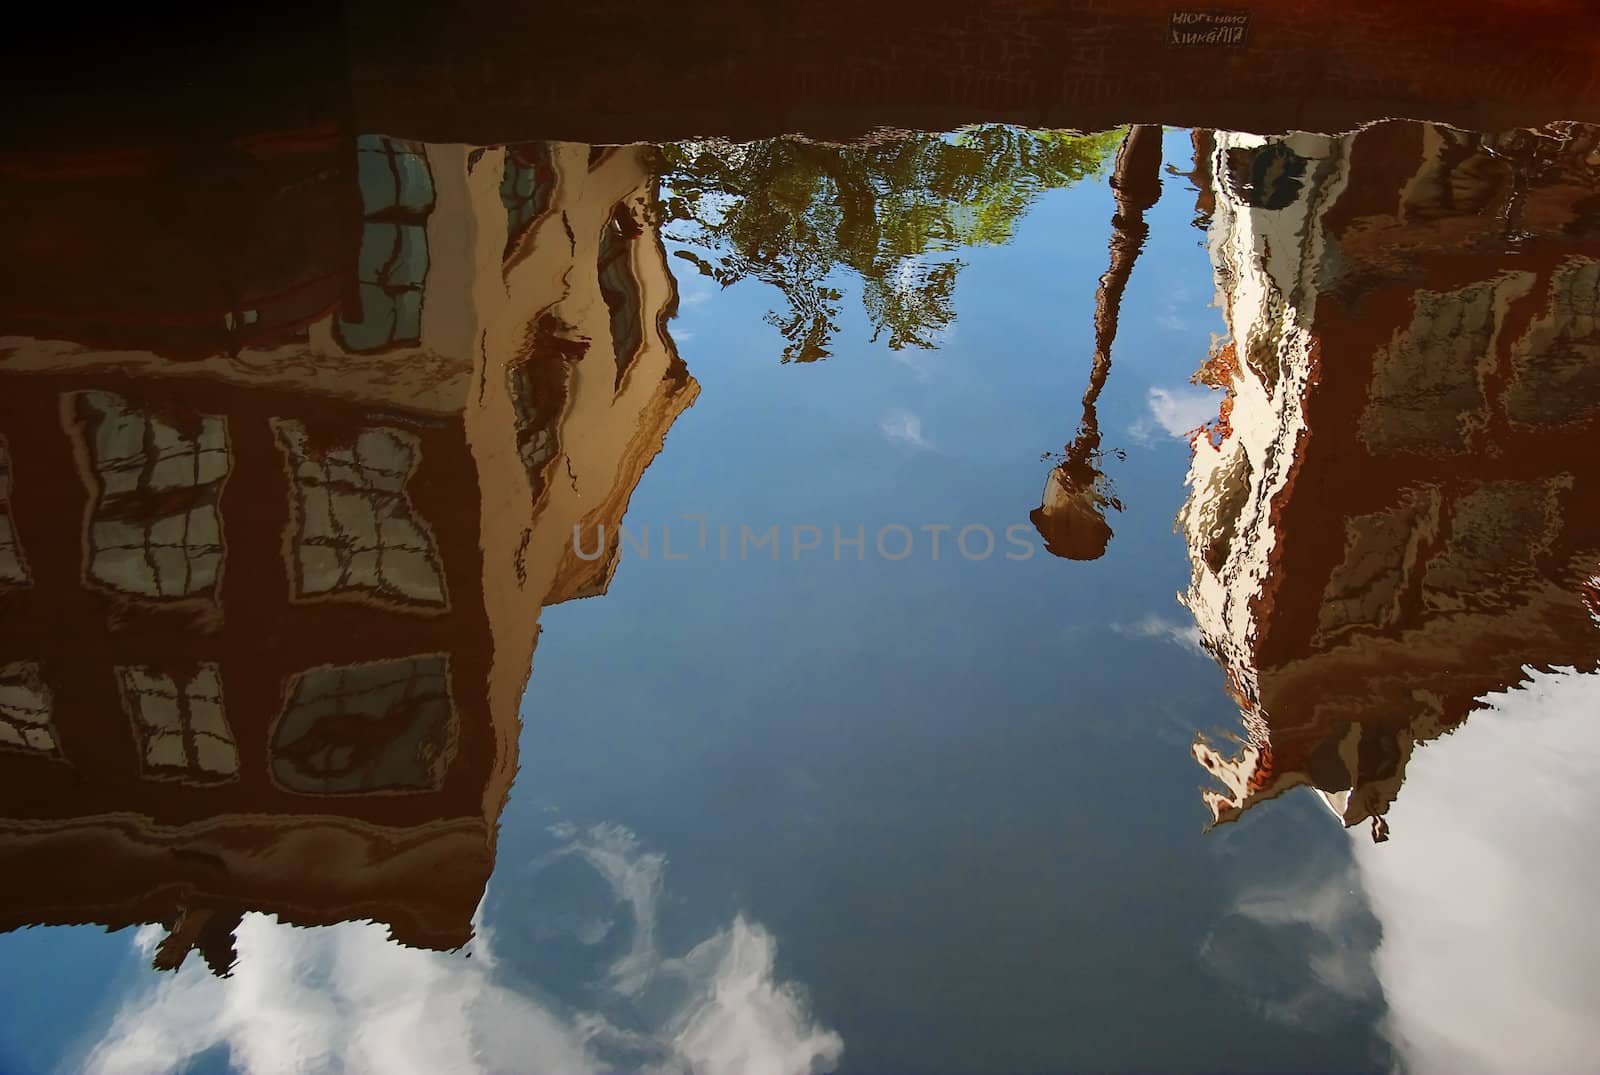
point(1396, 512)
point(276, 523)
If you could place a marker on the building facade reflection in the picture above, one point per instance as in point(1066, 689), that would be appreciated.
point(285, 480)
point(1395, 512)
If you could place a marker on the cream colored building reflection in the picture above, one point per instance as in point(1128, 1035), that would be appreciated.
point(1398, 508)
point(287, 547)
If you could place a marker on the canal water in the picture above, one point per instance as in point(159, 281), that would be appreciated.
point(996, 601)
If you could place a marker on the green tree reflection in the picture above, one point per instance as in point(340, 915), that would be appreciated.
point(791, 213)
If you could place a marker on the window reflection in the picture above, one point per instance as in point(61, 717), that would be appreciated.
point(26, 709)
point(387, 726)
point(356, 530)
point(13, 568)
point(154, 530)
point(1557, 361)
point(1268, 176)
point(179, 721)
point(1428, 392)
point(620, 288)
point(397, 196)
point(539, 392)
point(526, 189)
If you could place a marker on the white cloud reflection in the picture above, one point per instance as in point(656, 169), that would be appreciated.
point(345, 999)
point(1490, 959)
point(1488, 953)
point(1320, 921)
point(1177, 412)
point(903, 427)
point(1153, 625)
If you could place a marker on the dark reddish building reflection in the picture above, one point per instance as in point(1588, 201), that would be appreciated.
point(1398, 510)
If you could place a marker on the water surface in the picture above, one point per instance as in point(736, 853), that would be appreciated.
point(1004, 601)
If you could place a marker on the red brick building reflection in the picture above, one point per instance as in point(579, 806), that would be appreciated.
point(1399, 510)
